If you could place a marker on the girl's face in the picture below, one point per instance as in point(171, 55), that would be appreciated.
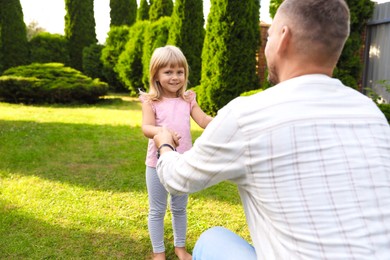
point(171, 80)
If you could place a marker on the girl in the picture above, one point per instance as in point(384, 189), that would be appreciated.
point(169, 105)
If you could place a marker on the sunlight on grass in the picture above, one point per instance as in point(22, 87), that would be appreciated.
point(72, 184)
point(115, 113)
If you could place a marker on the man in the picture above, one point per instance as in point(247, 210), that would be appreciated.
point(310, 156)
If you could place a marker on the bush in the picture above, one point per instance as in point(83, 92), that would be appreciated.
point(49, 83)
point(115, 45)
point(385, 108)
point(251, 92)
point(92, 65)
point(46, 47)
point(129, 66)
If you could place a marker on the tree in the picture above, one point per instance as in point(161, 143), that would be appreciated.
point(79, 29)
point(129, 65)
point(115, 44)
point(14, 45)
point(33, 29)
point(92, 64)
point(156, 36)
point(229, 52)
point(46, 47)
point(187, 32)
point(273, 7)
point(349, 66)
point(123, 12)
point(143, 11)
point(160, 8)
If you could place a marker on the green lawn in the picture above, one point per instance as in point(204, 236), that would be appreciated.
point(72, 185)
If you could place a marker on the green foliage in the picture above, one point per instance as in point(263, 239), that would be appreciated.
point(123, 12)
point(79, 29)
point(143, 11)
point(250, 93)
point(187, 32)
point(385, 108)
point(115, 44)
point(49, 83)
point(130, 66)
point(33, 29)
point(273, 7)
point(1, 51)
point(14, 46)
point(46, 47)
point(350, 65)
point(92, 64)
point(156, 36)
point(160, 8)
point(229, 53)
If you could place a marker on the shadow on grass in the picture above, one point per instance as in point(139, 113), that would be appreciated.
point(102, 157)
point(117, 102)
point(95, 156)
point(25, 237)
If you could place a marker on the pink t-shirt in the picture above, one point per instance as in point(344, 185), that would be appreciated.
point(175, 114)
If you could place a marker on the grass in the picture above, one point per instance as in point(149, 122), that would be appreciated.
point(72, 185)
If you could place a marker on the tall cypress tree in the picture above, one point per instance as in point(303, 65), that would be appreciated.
point(160, 8)
point(79, 29)
point(143, 11)
point(14, 45)
point(229, 52)
point(155, 36)
point(187, 32)
point(123, 12)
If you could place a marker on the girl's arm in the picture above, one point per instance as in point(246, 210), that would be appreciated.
point(149, 127)
point(200, 117)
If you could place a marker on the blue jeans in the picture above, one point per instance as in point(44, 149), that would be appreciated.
point(220, 243)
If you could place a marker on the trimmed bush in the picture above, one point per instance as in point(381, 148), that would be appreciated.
point(49, 83)
point(46, 47)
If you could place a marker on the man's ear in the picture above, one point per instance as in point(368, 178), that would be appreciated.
point(284, 40)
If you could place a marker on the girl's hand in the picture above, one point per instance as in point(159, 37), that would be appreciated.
point(166, 136)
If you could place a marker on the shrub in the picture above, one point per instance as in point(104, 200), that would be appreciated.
point(130, 66)
point(46, 47)
point(49, 83)
point(115, 44)
point(92, 64)
point(385, 108)
point(251, 92)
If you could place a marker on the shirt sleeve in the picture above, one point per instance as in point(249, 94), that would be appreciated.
point(218, 154)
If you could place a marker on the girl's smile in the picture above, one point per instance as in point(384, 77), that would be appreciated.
point(171, 79)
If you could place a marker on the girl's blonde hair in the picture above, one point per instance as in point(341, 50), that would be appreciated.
point(162, 57)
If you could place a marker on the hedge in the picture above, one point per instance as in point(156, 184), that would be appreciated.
point(49, 83)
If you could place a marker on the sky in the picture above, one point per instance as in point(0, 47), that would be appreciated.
point(49, 14)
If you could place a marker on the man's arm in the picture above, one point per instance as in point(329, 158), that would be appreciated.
point(218, 155)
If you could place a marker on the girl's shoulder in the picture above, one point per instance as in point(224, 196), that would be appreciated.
point(189, 96)
point(146, 97)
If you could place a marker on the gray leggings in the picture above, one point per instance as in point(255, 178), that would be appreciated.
point(157, 208)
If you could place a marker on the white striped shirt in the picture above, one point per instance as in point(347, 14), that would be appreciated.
point(311, 159)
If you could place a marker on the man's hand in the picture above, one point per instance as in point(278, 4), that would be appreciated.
point(166, 136)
